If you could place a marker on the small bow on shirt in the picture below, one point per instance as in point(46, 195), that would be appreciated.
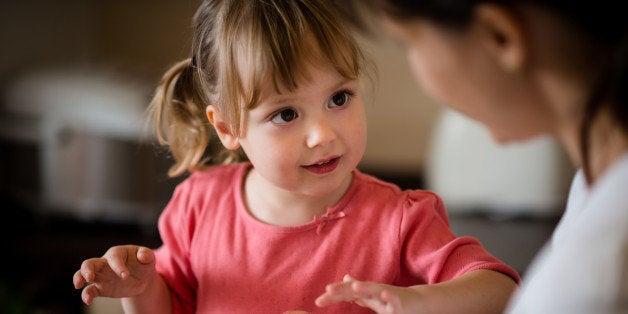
point(323, 219)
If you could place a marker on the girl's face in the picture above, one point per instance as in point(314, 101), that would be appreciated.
point(308, 141)
point(458, 71)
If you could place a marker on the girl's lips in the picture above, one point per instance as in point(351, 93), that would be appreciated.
point(325, 167)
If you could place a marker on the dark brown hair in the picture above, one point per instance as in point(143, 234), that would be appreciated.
point(603, 24)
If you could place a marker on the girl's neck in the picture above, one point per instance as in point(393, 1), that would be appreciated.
point(276, 206)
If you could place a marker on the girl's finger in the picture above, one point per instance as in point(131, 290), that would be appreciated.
point(374, 304)
point(145, 255)
point(365, 289)
point(117, 260)
point(78, 280)
point(336, 292)
point(87, 270)
point(89, 294)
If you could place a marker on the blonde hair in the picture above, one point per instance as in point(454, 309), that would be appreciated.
point(274, 37)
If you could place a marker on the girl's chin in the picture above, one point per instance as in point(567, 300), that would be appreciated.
point(325, 187)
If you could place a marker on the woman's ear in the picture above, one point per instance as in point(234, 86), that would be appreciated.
point(503, 35)
point(227, 138)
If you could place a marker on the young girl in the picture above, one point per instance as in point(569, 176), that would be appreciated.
point(530, 68)
point(280, 80)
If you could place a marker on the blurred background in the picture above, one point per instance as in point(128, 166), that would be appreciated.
point(79, 173)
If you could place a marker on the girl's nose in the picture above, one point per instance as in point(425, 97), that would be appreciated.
point(320, 133)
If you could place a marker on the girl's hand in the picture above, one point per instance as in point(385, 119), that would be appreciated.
point(381, 298)
point(124, 271)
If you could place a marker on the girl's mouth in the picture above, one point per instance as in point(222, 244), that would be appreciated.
point(324, 167)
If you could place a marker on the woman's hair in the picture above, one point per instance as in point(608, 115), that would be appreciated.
point(238, 48)
point(604, 24)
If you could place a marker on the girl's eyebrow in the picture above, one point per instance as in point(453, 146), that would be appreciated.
point(277, 99)
point(342, 81)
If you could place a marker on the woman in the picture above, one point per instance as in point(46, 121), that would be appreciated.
point(525, 69)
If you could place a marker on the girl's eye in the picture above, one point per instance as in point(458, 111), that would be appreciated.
point(340, 98)
point(284, 116)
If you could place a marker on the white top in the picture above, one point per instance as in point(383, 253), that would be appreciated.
point(584, 267)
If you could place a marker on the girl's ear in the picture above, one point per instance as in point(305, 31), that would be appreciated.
point(502, 33)
point(228, 139)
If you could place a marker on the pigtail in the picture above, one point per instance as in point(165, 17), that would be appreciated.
point(178, 113)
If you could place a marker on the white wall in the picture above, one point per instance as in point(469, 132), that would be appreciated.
point(400, 116)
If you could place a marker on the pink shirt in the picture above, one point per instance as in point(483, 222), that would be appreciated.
point(218, 258)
